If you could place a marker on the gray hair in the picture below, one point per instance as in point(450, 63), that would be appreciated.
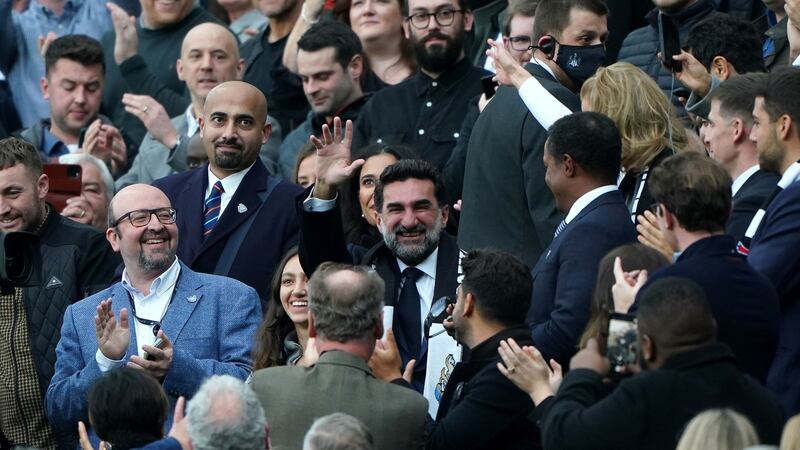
point(225, 414)
point(105, 174)
point(338, 431)
point(349, 307)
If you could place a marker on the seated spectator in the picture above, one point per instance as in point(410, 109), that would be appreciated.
point(684, 371)
point(73, 87)
point(282, 338)
point(178, 325)
point(139, 56)
point(345, 316)
point(727, 135)
point(338, 431)
point(245, 20)
point(97, 188)
point(225, 414)
point(195, 152)
point(379, 27)
point(305, 168)
point(717, 48)
point(127, 408)
point(21, 30)
point(359, 216)
point(330, 61)
point(632, 257)
point(718, 429)
point(694, 202)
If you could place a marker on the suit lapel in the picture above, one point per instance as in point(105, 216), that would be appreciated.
point(246, 195)
point(446, 268)
point(190, 217)
point(186, 297)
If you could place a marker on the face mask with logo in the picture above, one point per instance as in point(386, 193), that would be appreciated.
point(580, 62)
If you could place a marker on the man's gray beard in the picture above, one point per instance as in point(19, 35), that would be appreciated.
point(413, 254)
point(158, 262)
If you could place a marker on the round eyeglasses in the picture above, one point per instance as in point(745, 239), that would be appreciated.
point(443, 17)
point(141, 217)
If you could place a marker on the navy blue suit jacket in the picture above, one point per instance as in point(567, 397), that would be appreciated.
point(744, 303)
point(274, 230)
point(564, 277)
point(748, 200)
point(775, 252)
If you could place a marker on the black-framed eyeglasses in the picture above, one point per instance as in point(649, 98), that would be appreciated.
point(443, 17)
point(520, 43)
point(437, 314)
point(141, 217)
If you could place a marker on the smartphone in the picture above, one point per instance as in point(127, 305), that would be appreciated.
point(65, 182)
point(622, 344)
point(489, 86)
point(159, 343)
point(669, 42)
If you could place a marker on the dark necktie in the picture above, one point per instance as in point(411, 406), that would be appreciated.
point(407, 315)
point(213, 203)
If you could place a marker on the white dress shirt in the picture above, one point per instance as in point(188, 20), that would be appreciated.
point(191, 122)
point(742, 179)
point(229, 184)
point(584, 200)
point(152, 306)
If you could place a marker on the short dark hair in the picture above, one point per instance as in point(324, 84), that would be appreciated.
point(128, 408)
point(695, 188)
point(464, 5)
point(525, 8)
point(15, 151)
point(723, 35)
point(332, 33)
point(674, 311)
point(737, 96)
point(552, 16)
point(780, 90)
point(501, 284)
point(344, 312)
point(406, 169)
point(82, 49)
point(592, 140)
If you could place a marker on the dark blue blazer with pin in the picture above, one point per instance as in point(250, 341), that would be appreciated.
point(565, 275)
point(256, 244)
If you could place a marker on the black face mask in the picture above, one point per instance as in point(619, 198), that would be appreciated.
point(580, 62)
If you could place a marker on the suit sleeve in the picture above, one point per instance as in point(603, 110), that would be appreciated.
point(238, 316)
point(456, 165)
point(488, 408)
point(142, 81)
point(321, 236)
point(576, 272)
point(66, 398)
point(577, 415)
point(774, 250)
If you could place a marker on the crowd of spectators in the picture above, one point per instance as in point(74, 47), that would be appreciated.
point(400, 224)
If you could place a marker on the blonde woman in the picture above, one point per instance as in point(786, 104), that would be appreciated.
point(647, 122)
point(718, 429)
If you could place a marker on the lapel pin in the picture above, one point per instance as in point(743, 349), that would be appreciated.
point(191, 298)
point(241, 208)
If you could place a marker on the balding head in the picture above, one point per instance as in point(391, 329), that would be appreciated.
point(136, 196)
point(234, 127)
point(209, 56)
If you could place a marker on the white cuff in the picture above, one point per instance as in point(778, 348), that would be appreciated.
point(796, 61)
point(313, 204)
point(106, 363)
point(546, 109)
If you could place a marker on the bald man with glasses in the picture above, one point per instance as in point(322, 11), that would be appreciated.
point(178, 325)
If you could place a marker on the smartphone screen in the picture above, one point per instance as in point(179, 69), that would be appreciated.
point(622, 345)
point(669, 42)
point(488, 85)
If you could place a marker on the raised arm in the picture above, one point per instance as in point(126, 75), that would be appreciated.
point(310, 14)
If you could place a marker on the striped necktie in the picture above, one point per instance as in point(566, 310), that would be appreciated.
point(560, 228)
point(213, 203)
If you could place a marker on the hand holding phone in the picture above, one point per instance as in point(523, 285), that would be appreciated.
point(669, 40)
point(622, 347)
point(159, 344)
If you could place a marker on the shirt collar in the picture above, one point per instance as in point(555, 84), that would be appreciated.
point(448, 79)
point(191, 122)
point(544, 66)
point(427, 266)
point(742, 179)
point(584, 200)
point(229, 183)
point(51, 145)
point(161, 285)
